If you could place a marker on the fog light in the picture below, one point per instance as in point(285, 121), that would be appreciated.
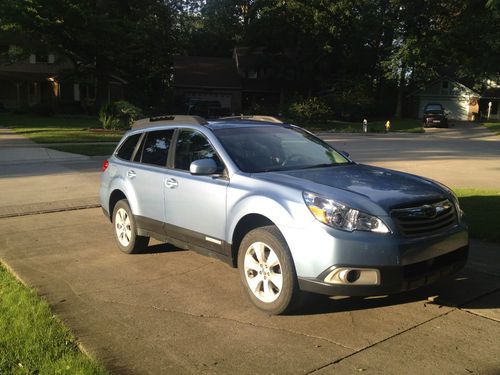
point(353, 276)
point(349, 276)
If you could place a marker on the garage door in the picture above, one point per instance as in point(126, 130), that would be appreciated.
point(458, 108)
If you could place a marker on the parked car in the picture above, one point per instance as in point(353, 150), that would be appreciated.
point(292, 213)
point(435, 116)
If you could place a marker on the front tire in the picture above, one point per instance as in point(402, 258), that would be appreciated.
point(125, 229)
point(267, 271)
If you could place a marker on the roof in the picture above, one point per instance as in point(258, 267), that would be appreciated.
point(239, 124)
point(205, 72)
point(252, 118)
point(168, 120)
point(445, 78)
point(222, 123)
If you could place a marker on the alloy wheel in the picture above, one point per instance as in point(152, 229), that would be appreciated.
point(122, 227)
point(263, 272)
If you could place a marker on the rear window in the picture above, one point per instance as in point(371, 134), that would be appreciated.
point(127, 148)
point(433, 107)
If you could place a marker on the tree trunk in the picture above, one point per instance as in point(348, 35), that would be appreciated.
point(102, 78)
point(401, 89)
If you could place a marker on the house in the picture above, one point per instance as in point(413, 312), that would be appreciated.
point(259, 88)
point(209, 86)
point(47, 80)
point(461, 102)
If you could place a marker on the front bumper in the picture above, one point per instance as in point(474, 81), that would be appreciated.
point(394, 279)
point(393, 263)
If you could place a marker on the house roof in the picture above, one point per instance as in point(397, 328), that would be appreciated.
point(206, 72)
point(39, 68)
point(445, 78)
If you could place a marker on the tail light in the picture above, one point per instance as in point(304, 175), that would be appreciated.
point(105, 165)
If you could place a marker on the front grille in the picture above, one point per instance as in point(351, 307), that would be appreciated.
point(426, 219)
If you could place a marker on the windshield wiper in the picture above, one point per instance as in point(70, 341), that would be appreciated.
point(323, 165)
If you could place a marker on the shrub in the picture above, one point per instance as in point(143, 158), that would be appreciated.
point(310, 110)
point(119, 115)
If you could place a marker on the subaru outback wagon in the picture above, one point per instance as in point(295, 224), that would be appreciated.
point(292, 213)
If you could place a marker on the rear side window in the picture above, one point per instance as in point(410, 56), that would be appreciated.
point(156, 146)
point(127, 148)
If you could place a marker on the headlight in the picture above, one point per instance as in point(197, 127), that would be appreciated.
point(340, 216)
point(454, 198)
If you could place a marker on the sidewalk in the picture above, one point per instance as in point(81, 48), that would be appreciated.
point(15, 148)
point(36, 179)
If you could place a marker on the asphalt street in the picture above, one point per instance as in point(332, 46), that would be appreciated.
point(173, 311)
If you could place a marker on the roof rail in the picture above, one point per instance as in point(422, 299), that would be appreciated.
point(254, 118)
point(161, 120)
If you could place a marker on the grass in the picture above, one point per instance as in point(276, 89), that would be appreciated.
point(59, 129)
point(397, 125)
point(90, 150)
point(493, 126)
point(481, 208)
point(32, 339)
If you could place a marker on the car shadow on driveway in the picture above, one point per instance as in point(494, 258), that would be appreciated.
point(465, 289)
point(160, 248)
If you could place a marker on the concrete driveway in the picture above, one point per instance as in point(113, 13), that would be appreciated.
point(172, 311)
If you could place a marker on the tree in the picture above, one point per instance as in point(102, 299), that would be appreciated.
point(130, 38)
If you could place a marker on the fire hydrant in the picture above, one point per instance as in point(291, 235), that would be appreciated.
point(387, 126)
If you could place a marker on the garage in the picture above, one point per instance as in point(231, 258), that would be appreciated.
point(458, 100)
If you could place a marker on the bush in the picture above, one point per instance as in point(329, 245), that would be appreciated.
point(310, 110)
point(119, 115)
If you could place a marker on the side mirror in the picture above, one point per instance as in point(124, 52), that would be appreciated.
point(203, 167)
point(344, 153)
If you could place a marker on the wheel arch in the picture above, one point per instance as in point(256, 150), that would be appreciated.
point(246, 224)
point(116, 196)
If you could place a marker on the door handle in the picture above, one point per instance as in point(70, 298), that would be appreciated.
point(171, 183)
point(131, 173)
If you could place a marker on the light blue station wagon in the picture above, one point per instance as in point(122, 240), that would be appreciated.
point(293, 214)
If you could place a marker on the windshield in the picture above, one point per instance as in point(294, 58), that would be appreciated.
point(275, 148)
point(434, 108)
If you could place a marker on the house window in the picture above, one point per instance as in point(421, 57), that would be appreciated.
point(76, 92)
point(33, 90)
point(252, 74)
point(51, 58)
point(41, 58)
point(32, 59)
point(445, 88)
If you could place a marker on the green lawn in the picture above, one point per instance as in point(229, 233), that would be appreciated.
point(58, 129)
point(32, 339)
point(493, 126)
point(397, 125)
point(482, 208)
point(90, 150)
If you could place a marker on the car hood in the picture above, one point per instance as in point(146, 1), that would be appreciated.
point(384, 187)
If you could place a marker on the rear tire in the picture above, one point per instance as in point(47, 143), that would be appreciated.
point(125, 229)
point(267, 271)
